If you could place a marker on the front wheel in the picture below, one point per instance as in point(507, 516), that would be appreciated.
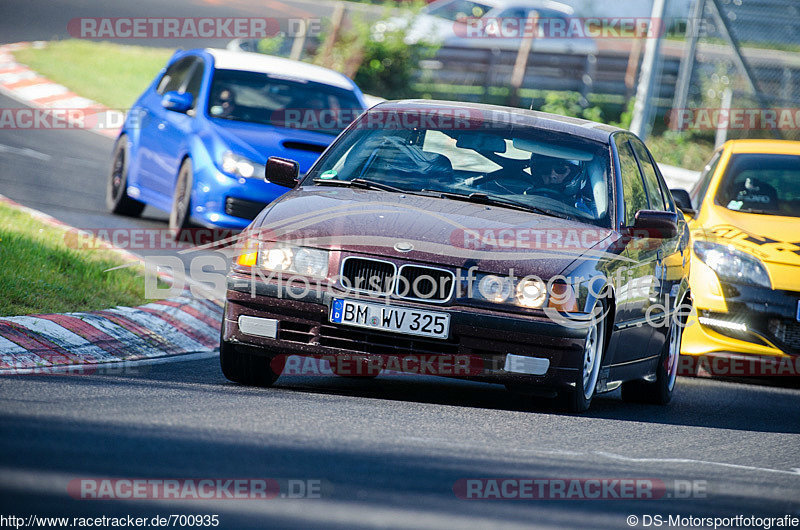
point(579, 397)
point(117, 199)
point(659, 392)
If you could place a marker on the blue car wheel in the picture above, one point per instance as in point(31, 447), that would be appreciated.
point(117, 199)
point(182, 198)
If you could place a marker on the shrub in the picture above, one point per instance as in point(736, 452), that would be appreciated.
point(377, 57)
point(569, 104)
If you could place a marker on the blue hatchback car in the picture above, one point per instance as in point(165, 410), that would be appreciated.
point(196, 141)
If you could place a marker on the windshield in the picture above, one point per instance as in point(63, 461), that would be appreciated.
point(761, 183)
point(538, 169)
point(260, 98)
point(456, 9)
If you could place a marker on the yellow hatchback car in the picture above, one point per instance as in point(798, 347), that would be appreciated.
point(744, 215)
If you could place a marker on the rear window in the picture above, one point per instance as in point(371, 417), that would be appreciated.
point(761, 183)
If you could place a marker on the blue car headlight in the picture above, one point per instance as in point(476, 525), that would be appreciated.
point(239, 166)
point(732, 264)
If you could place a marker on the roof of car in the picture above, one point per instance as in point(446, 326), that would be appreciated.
point(591, 130)
point(545, 4)
point(268, 64)
point(788, 147)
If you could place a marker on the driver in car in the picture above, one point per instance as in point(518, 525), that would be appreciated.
point(563, 178)
point(223, 103)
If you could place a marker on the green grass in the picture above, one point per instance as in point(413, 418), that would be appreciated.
point(112, 74)
point(680, 150)
point(43, 274)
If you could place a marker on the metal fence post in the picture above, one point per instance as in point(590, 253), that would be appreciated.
point(687, 63)
point(647, 78)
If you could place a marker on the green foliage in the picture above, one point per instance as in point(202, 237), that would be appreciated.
point(681, 150)
point(626, 117)
point(389, 64)
point(377, 56)
point(271, 45)
point(569, 104)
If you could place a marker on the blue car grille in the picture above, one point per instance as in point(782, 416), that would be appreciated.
point(243, 208)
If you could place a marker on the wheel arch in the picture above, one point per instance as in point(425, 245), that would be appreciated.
point(600, 289)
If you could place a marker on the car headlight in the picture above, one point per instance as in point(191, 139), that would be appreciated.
point(240, 166)
point(732, 264)
point(526, 292)
point(531, 292)
point(286, 259)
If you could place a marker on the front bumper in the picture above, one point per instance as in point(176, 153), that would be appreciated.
point(753, 321)
point(480, 338)
point(220, 200)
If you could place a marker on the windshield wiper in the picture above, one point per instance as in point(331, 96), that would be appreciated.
point(482, 198)
point(757, 211)
point(359, 183)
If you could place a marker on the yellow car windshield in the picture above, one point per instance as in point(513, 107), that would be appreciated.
point(761, 183)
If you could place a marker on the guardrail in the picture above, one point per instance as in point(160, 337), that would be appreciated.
point(608, 72)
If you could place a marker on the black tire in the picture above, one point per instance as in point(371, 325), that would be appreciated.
point(578, 398)
point(182, 199)
point(244, 367)
point(660, 391)
point(117, 199)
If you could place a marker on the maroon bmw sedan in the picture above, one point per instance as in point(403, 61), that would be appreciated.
point(473, 241)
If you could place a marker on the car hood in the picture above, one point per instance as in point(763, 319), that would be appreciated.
point(258, 142)
point(772, 238)
point(441, 231)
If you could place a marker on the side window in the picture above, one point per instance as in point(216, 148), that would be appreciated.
point(632, 185)
point(654, 193)
point(175, 75)
point(699, 190)
point(669, 203)
point(195, 81)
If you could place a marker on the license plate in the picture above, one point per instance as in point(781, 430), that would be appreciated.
point(384, 317)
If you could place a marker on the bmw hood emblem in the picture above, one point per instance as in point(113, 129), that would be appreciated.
point(403, 246)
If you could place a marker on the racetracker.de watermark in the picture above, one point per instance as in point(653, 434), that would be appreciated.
point(137, 239)
point(444, 117)
point(578, 489)
point(711, 119)
point(193, 488)
point(711, 365)
point(559, 27)
point(92, 118)
point(191, 27)
point(375, 363)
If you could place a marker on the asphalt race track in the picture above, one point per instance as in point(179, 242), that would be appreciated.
point(388, 452)
point(385, 452)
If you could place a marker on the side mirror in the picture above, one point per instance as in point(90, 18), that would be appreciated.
point(282, 171)
point(683, 201)
point(654, 224)
point(177, 101)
